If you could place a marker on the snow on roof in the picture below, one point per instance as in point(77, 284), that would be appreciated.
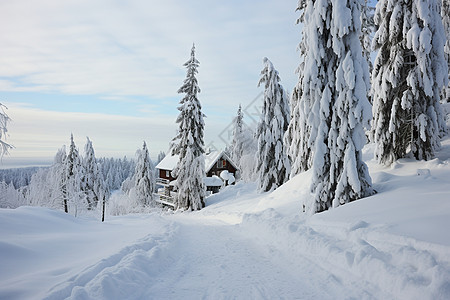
point(169, 162)
point(211, 158)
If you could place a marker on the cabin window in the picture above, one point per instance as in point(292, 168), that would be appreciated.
point(167, 173)
point(222, 163)
point(409, 58)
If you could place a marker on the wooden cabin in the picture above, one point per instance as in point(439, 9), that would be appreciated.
point(219, 169)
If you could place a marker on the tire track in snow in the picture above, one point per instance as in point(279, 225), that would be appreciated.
point(217, 261)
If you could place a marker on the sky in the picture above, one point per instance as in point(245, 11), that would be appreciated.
point(110, 70)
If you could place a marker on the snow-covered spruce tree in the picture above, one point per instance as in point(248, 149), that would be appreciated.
point(409, 73)
point(73, 193)
point(93, 183)
point(42, 191)
point(445, 13)
point(47, 185)
point(367, 28)
point(336, 82)
point(57, 179)
point(4, 119)
point(272, 162)
point(188, 143)
point(237, 144)
point(144, 178)
point(298, 132)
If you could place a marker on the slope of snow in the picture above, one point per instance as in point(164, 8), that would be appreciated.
point(245, 245)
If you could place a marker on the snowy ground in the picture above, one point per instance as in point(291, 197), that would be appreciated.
point(245, 245)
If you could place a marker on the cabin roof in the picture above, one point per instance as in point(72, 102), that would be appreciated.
point(169, 162)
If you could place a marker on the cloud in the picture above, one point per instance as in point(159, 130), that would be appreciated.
point(138, 47)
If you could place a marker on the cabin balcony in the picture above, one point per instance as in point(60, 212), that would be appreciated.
point(162, 181)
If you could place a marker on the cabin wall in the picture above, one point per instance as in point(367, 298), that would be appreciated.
point(163, 174)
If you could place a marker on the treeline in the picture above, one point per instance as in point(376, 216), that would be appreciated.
point(78, 183)
point(19, 177)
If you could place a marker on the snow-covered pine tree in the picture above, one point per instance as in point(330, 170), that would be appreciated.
point(367, 28)
point(297, 134)
point(237, 144)
point(47, 185)
point(144, 178)
point(409, 73)
point(93, 183)
point(336, 81)
point(273, 165)
point(4, 119)
point(247, 162)
point(188, 143)
point(73, 193)
point(57, 178)
point(42, 191)
point(445, 13)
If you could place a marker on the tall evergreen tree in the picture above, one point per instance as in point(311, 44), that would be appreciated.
point(336, 82)
point(93, 183)
point(409, 73)
point(58, 179)
point(237, 144)
point(297, 137)
point(273, 165)
point(144, 177)
point(4, 119)
point(367, 28)
point(188, 143)
point(72, 192)
point(445, 13)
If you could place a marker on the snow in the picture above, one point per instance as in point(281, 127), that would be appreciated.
point(212, 181)
point(169, 162)
point(245, 245)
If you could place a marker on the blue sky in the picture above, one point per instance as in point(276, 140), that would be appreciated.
point(110, 70)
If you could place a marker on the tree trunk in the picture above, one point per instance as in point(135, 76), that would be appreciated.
point(66, 209)
point(103, 209)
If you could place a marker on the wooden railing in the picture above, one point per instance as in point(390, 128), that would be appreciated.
point(162, 181)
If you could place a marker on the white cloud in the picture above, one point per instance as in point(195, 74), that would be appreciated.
point(138, 47)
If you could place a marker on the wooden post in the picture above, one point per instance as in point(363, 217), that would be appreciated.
point(103, 209)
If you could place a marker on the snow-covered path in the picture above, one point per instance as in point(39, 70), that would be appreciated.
point(207, 259)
